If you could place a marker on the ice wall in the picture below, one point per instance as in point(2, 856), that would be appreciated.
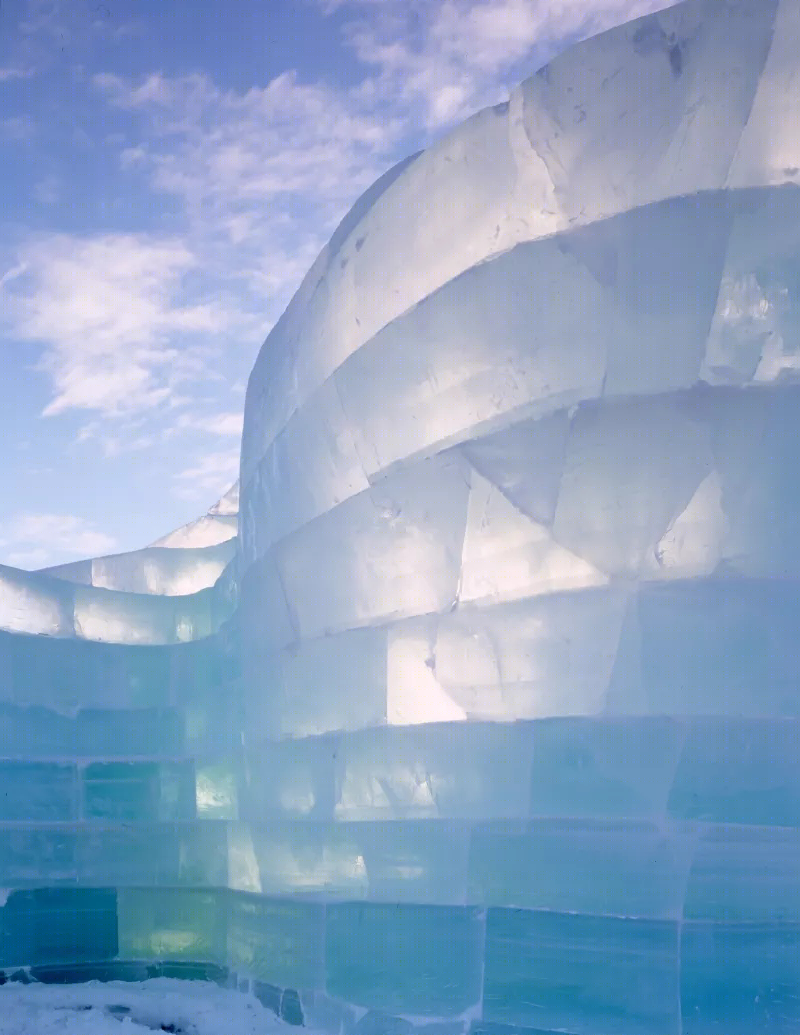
point(120, 744)
point(519, 597)
point(503, 735)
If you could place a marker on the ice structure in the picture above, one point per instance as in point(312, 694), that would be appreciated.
point(517, 590)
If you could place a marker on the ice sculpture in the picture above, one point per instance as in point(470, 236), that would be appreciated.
point(517, 590)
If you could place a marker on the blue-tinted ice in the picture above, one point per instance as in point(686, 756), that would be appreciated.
point(488, 720)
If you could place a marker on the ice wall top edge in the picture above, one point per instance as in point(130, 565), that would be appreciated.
point(39, 604)
point(663, 106)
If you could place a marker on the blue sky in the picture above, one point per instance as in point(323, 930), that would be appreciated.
point(170, 169)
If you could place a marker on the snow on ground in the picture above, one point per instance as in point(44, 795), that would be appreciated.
point(133, 1008)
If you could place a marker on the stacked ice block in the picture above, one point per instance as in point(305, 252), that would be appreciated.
point(120, 736)
point(520, 508)
point(517, 590)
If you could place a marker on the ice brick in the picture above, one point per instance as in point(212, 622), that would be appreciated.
point(415, 959)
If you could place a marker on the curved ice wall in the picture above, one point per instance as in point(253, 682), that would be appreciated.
point(513, 745)
point(120, 736)
point(520, 504)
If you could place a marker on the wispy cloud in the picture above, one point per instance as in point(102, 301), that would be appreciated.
point(118, 328)
point(210, 477)
point(439, 62)
point(262, 175)
point(68, 537)
point(215, 424)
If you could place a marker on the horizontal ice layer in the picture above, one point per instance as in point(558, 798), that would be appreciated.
point(723, 646)
point(67, 675)
point(156, 570)
point(695, 84)
point(47, 605)
point(306, 962)
point(518, 596)
point(718, 770)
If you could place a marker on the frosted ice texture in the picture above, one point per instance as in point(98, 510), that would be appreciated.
point(503, 735)
point(519, 585)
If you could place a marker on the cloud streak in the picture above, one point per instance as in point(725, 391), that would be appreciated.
point(440, 62)
point(118, 328)
point(67, 536)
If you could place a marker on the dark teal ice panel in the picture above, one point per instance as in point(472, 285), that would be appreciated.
point(121, 791)
point(59, 925)
point(603, 767)
point(139, 791)
point(32, 732)
point(725, 646)
point(404, 958)
point(37, 791)
point(581, 973)
point(30, 856)
point(131, 731)
point(37, 732)
point(280, 941)
point(740, 979)
point(739, 771)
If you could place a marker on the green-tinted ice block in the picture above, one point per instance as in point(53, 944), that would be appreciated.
point(581, 973)
point(173, 924)
point(278, 941)
point(404, 958)
point(59, 925)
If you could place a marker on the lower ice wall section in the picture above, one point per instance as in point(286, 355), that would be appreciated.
point(642, 880)
point(361, 966)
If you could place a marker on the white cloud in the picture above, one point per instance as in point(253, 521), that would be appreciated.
point(210, 477)
point(214, 424)
point(442, 61)
point(263, 175)
point(118, 328)
point(33, 540)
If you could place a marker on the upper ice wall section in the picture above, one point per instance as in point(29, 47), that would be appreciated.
point(175, 591)
point(696, 98)
point(187, 560)
point(219, 525)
